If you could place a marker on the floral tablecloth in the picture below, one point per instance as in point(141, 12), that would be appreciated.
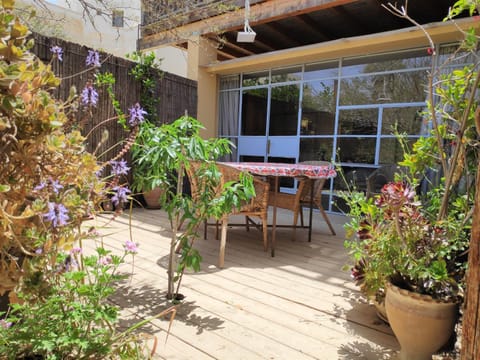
point(283, 169)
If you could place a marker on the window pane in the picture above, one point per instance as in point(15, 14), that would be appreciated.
point(386, 62)
point(254, 112)
point(318, 107)
point(117, 18)
point(253, 79)
point(385, 88)
point(316, 149)
point(287, 74)
point(407, 120)
point(356, 150)
point(358, 121)
point(284, 110)
point(321, 70)
point(391, 151)
point(353, 178)
point(229, 82)
point(228, 107)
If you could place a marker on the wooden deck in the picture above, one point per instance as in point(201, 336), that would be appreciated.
point(296, 305)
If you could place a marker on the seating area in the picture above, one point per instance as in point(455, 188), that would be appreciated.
point(257, 207)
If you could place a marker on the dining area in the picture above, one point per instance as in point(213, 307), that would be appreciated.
point(261, 211)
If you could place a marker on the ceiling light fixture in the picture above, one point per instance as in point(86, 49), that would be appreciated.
point(247, 35)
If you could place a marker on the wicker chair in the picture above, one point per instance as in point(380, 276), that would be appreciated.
point(256, 207)
point(296, 202)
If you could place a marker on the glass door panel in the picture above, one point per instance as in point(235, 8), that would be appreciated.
point(254, 112)
point(284, 105)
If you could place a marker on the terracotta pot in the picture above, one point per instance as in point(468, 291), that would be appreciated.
point(421, 324)
point(380, 310)
point(152, 198)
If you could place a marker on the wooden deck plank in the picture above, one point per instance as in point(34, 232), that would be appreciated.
point(297, 305)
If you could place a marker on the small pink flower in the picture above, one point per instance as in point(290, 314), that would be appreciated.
point(5, 324)
point(104, 260)
point(131, 247)
point(76, 250)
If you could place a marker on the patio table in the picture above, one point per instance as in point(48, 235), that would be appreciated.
point(277, 170)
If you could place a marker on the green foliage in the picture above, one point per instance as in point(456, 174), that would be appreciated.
point(392, 238)
point(74, 319)
point(421, 242)
point(161, 159)
point(144, 71)
point(49, 186)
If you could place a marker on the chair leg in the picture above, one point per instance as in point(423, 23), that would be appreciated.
point(325, 217)
point(216, 229)
point(265, 233)
point(223, 242)
point(247, 223)
point(301, 215)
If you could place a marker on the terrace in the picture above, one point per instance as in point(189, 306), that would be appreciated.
point(297, 305)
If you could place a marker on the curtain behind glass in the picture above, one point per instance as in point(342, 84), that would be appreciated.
point(229, 102)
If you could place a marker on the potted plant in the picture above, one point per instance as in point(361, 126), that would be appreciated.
point(147, 178)
point(412, 240)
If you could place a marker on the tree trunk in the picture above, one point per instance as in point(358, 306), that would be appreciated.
point(471, 317)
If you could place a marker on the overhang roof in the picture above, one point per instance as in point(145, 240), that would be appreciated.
point(285, 24)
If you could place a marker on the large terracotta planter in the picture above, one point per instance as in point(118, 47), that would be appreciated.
point(152, 198)
point(421, 324)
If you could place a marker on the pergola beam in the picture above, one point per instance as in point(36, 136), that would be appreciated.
point(259, 13)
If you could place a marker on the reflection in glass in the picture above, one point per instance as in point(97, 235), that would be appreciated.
point(357, 150)
point(407, 120)
point(385, 88)
point(321, 70)
point(287, 74)
point(391, 151)
point(257, 78)
point(453, 55)
point(316, 149)
point(413, 59)
point(318, 107)
point(284, 106)
point(358, 122)
point(353, 178)
point(254, 112)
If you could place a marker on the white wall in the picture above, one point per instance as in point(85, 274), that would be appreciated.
point(67, 22)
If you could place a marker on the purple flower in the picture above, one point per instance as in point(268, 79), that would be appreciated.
point(120, 195)
point(56, 186)
point(89, 95)
point(119, 167)
point(39, 251)
point(104, 260)
point(57, 214)
point(76, 250)
point(136, 115)
point(93, 58)
point(40, 186)
point(57, 51)
point(4, 324)
point(70, 263)
point(131, 247)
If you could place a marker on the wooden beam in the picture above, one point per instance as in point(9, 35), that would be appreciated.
point(282, 34)
point(225, 42)
point(407, 38)
point(314, 27)
point(259, 14)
